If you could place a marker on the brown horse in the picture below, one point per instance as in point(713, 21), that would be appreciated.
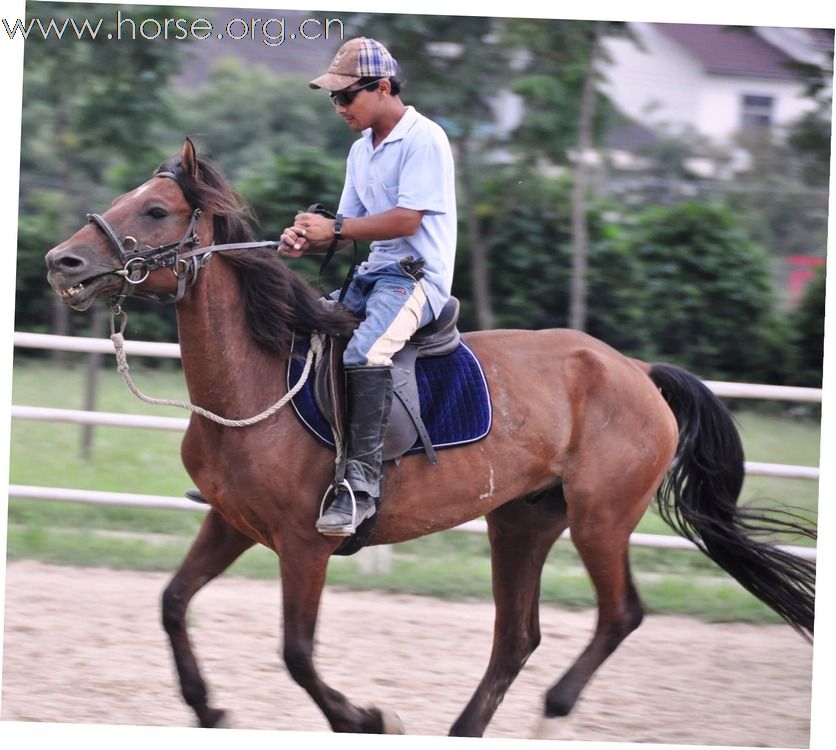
point(583, 438)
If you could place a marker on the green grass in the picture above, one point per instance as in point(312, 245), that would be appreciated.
point(122, 460)
point(451, 564)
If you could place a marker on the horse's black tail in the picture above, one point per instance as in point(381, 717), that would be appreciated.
point(698, 499)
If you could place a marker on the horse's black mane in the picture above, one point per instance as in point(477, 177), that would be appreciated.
point(279, 302)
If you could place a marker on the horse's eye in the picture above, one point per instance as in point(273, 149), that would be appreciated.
point(157, 212)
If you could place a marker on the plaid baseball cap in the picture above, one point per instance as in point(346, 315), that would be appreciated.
point(357, 58)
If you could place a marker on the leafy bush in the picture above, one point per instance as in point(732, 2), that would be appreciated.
point(808, 331)
point(526, 223)
point(680, 283)
point(707, 299)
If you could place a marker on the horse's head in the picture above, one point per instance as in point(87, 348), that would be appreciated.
point(137, 244)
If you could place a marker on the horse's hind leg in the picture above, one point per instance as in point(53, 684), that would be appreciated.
point(601, 537)
point(521, 534)
point(623, 440)
point(216, 547)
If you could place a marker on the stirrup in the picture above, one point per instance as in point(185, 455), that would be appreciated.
point(349, 530)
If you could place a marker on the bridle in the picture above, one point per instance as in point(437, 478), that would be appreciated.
point(139, 260)
point(184, 257)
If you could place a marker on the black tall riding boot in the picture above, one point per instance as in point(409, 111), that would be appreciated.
point(369, 392)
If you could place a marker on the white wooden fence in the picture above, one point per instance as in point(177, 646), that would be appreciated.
point(141, 348)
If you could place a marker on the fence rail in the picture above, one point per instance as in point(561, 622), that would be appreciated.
point(176, 424)
point(151, 349)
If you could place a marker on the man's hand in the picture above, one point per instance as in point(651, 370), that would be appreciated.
point(314, 227)
point(293, 244)
point(307, 230)
point(312, 233)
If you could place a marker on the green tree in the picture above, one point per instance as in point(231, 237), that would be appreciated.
point(808, 333)
point(810, 136)
point(289, 182)
point(527, 221)
point(245, 116)
point(92, 110)
point(810, 139)
point(559, 85)
point(781, 198)
point(706, 295)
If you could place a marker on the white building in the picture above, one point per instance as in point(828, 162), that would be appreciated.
point(713, 80)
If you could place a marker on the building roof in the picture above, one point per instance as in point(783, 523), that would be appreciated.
point(822, 38)
point(725, 50)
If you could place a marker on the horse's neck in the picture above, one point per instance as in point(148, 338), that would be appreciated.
point(225, 370)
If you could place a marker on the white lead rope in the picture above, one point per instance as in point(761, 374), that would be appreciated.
point(315, 351)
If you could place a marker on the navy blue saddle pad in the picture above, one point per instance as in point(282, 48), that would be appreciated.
point(455, 404)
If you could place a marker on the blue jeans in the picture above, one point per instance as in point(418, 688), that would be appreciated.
point(392, 306)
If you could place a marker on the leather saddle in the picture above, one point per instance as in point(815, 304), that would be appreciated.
point(405, 424)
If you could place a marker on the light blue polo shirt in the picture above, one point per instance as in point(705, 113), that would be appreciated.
point(411, 168)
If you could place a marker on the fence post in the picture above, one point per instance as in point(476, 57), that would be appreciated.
point(375, 560)
point(91, 386)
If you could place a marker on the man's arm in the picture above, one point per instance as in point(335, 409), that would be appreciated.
point(313, 233)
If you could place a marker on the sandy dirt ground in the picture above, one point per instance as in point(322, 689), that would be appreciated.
point(85, 646)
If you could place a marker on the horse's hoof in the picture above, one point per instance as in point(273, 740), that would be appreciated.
point(215, 718)
point(391, 723)
point(224, 721)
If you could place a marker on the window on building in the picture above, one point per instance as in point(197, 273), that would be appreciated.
point(756, 112)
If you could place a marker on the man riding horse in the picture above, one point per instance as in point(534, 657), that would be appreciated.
point(399, 193)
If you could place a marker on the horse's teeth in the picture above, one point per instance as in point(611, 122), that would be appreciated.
point(72, 291)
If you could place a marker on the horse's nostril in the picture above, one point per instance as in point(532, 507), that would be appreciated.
point(70, 262)
point(64, 261)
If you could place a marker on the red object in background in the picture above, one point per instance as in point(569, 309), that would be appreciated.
point(801, 269)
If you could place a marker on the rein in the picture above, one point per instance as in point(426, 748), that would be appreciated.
point(118, 339)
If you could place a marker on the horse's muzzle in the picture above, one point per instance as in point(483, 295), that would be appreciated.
point(76, 279)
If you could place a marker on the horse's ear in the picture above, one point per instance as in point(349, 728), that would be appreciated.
point(188, 158)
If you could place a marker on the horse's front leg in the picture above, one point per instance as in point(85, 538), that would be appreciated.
point(216, 547)
point(303, 567)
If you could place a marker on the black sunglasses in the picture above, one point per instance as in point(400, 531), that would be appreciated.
point(346, 96)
